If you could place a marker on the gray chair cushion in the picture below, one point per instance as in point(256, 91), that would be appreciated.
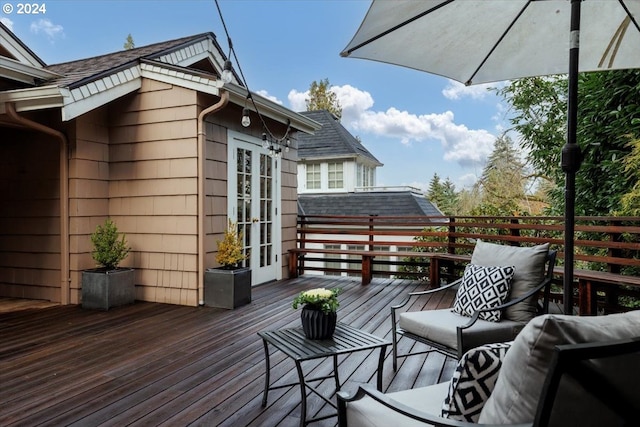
point(440, 326)
point(517, 392)
point(366, 412)
point(529, 263)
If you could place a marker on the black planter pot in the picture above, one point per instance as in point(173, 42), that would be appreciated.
point(316, 324)
point(224, 288)
point(103, 289)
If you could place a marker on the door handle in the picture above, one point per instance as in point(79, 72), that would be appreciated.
point(254, 220)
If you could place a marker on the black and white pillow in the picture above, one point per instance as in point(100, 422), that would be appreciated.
point(483, 287)
point(473, 381)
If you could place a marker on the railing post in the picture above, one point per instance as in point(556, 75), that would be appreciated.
point(302, 242)
point(515, 232)
point(371, 226)
point(451, 240)
point(367, 262)
point(611, 294)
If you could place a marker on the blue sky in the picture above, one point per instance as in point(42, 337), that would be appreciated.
point(415, 123)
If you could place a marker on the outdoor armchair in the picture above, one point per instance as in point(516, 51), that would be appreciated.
point(560, 370)
point(496, 297)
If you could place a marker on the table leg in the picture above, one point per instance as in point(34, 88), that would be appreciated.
point(267, 378)
point(383, 350)
point(335, 372)
point(303, 391)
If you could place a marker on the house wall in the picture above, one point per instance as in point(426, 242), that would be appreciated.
point(88, 191)
point(289, 206)
point(29, 214)
point(216, 130)
point(134, 161)
point(153, 189)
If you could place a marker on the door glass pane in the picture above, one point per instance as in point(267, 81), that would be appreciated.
point(243, 216)
point(266, 216)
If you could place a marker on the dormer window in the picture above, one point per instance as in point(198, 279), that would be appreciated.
point(336, 175)
point(313, 176)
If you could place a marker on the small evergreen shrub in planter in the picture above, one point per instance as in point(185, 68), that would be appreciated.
point(108, 285)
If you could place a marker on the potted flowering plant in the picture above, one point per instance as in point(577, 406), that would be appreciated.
point(229, 285)
point(318, 315)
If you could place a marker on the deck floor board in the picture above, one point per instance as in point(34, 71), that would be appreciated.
point(160, 364)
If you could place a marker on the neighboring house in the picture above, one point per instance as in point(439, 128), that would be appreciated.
point(337, 176)
point(152, 138)
point(333, 160)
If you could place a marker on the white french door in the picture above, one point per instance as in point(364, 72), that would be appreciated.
point(254, 203)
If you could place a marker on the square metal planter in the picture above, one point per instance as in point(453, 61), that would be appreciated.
point(227, 288)
point(103, 289)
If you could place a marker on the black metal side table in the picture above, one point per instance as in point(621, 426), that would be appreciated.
point(294, 344)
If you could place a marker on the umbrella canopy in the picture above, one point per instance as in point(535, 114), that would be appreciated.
point(480, 41)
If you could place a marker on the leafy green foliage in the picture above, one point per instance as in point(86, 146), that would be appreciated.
point(322, 299)
point(630, 201)
point(608, 114)
point(109, 248)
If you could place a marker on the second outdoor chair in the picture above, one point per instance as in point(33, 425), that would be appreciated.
point(496, 297)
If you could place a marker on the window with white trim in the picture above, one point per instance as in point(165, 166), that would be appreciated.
point(313, 176)
point(336, 175)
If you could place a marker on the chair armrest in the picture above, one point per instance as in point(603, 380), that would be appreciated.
point(394, 405)
point(439, 289)
point(430, 291)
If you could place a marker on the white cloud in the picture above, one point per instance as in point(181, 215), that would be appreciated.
point(47, 28)
point(265, 94)
point(467, 147)
point(456, 90)
point(297, 100)
point(7, 23)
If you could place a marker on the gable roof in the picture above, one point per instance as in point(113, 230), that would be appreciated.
point(18, 64)
point(383, 203)
point(194, 62)
point(332, 141)
point(182, 51)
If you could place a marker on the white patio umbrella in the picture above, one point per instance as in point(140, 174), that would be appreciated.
point(480, 41)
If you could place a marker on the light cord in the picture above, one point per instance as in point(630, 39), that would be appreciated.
point(232, 51)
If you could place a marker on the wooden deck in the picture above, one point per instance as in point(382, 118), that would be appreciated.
point(157, 364)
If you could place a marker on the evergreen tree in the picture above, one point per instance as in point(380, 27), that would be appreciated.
point(321, 98)
point(502, 184)
point(129, 44)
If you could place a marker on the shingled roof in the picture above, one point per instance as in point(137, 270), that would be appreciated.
point(383, 203)
point(333, 140)
point(77, 72)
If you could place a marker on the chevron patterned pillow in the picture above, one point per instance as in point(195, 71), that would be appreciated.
point(483, 287)
point(473, 381)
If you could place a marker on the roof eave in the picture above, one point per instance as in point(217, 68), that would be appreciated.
point(30, 99)
point(273, 110)
point(15, 70)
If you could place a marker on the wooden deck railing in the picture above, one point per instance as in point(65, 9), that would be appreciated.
point(607, 249)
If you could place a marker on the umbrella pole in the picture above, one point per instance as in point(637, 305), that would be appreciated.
point(571, 158)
